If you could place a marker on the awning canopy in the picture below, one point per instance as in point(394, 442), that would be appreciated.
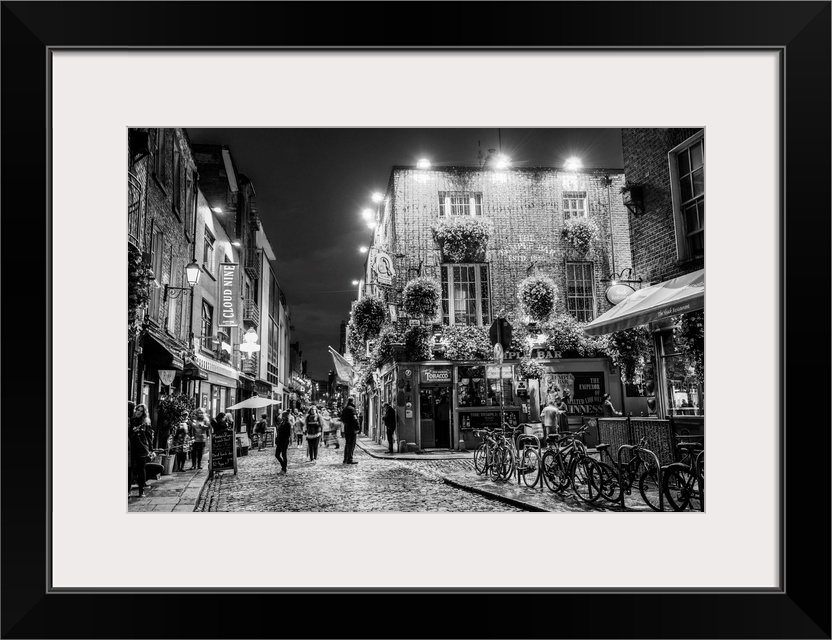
point(194, 372)
point(672, 297)
point(156, 353)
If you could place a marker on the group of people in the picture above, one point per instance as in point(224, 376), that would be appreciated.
point(315, 425)
point(554, 414)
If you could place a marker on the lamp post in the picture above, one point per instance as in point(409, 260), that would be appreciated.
point(192, 273)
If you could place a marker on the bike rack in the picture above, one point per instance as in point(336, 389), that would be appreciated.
point(621, 474)
point(697, 465)
point(520, 439)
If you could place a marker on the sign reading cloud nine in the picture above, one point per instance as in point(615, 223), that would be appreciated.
point(229, 294)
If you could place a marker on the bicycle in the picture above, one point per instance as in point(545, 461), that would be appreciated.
point(484, 453)
point(617, 477)
point(567, 463)
point(505, 454)
point(683, 482)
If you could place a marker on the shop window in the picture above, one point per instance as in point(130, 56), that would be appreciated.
point(574, 204)
point(471, 387)
point(580, 290)
point(687, 179)
point(685, 392)
point(460, 203)
point(466, 294)
point(499, 381)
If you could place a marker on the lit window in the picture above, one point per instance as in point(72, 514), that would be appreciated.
point(580, 290)
point(574, 204)
point(687, 179)
point(466, 295)
point(460, 203)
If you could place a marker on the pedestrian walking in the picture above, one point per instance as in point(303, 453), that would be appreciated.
point(297, 425)
point(563, 421)
point(181, 445)
point(549, 416)
point(609, 409)
point(260, 430)
point(312, 430)
point(140, 445)
point(200, 431)
point(335, 427)
point(390, 423)
point(326, 425)
point(350, 421)
point(284, 434)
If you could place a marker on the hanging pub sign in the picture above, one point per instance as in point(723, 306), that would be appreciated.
point(618, 293)
point(229, 294)
point(383, 267)
point(167, 376)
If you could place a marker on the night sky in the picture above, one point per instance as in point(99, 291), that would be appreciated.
point(312, 184)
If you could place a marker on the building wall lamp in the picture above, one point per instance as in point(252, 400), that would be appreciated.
point(618, 278)
point(633, 197)
point(192, 272)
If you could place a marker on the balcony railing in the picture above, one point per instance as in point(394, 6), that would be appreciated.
point(251, 312)
point(249, 365)
point(134, 209)
point(252, 263)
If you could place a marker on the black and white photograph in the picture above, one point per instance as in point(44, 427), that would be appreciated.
point(416, 319)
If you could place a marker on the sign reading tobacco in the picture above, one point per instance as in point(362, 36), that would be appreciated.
point(229, 294)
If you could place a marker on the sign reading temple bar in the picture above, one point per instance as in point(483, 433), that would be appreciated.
point(229, 294)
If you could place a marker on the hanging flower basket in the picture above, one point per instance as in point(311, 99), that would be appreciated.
point(139, 277)
point(418, 344)
point(420, 298)
point(630, 349)
point(463, 239)
point(464, 342)
point(537, 296)
point(530, 369)
point(580, 233)
point(368, 315)
point(690, 336)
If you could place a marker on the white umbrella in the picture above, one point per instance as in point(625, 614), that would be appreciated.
point(255, 402)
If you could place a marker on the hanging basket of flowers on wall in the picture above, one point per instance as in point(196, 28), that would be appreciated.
point(368, 315)
point(420, 298)
point(418, 344)
point(466, 342)
point(580, 234)
point(530, 369)
point(537, 296)
point(463, 239)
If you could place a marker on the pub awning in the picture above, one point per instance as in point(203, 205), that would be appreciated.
point(157, 354)
point(194, 372)
point(672, 297)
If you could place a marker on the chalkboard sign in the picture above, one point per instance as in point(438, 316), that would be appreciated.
point(255, 438)
point(487, 419)
point(223, 452)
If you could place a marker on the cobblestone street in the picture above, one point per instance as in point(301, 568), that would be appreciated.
point(328, 485)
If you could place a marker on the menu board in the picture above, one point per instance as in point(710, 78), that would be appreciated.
point(223, 452)
point(487, 419)
point(255, 438)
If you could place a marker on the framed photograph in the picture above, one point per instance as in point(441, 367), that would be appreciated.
point(91, 87)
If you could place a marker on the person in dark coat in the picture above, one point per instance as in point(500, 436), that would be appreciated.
point(349, 418)
point(390, 423)
point(140, 445)
point(284, 434)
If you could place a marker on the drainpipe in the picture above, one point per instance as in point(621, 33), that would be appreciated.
point(609, 210)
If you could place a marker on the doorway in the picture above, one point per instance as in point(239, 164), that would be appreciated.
point(435, 417)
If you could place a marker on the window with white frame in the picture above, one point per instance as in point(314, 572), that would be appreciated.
point(466, 294)
point(580, 290)
point(574, 204)
point(687, 179)
point(460, 203)
point(207, 324)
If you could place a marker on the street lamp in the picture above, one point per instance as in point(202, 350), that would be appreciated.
point(423, 163)
point(573, 164)
point(192, 273)
point(354, 283)
point(367, 213)
point(372, 224)
point(363, 249)
point(250, 345)
point(378, 197)
point(502, 162)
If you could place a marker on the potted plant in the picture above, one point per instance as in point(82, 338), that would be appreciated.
point(463, 238)
point(420, 298)
point(537, 296)
point(171, 408)
point(580, 233)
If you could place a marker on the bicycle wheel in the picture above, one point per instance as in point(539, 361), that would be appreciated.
point(680, 488)
point(554, 471)
point(530, 467)
point(503, 463)
point(610, 485)
point(586, 480)
point(480, 459)
point(648, 487)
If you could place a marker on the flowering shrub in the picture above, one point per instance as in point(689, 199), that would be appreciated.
point(580, 233)
point(530, 369)
point(629, 349)
point(355, 343)
point(417, 344)
point(383, 349)
point(537, 296)
point(466, 342)
point(139, 277)
point(463, 238)
point(368, 315)
point(168, 413)
point(420, 298)
point(690, 336)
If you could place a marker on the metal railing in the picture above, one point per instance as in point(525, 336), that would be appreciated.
point(251, 312)
point(251, 263)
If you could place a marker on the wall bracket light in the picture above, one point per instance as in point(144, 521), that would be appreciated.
point(633, 198)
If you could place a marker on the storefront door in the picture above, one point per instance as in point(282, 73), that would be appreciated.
point(435, 417)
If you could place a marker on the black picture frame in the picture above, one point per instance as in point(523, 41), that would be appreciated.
point(799, 31)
